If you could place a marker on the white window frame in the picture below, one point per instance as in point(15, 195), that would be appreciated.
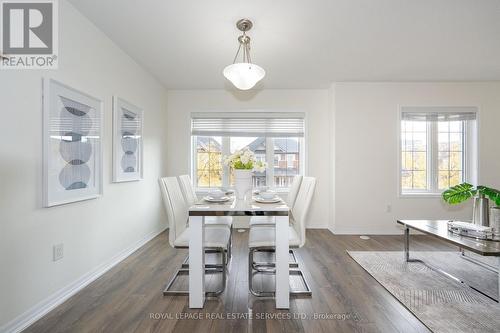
point(225, 144)
point(470, 159)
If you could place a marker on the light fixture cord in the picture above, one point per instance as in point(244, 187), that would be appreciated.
point(246, 51)
point(237, 52)
point(247, 46)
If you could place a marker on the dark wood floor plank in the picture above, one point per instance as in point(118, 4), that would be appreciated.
point(129, 298)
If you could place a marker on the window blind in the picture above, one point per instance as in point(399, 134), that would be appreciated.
point(436, 114)
point(253, 124)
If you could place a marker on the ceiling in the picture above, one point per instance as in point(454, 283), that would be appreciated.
point(306, 43)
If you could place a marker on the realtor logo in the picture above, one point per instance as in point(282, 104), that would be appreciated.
point(29, 34)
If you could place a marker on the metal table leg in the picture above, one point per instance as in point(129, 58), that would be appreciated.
point(479, 262)
point(440, 271)
point(407, 244)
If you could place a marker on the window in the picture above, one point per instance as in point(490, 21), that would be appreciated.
point(438, 148)
point(287, 151)
point(209, 161)
point(276, 138)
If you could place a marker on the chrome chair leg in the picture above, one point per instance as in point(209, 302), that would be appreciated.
point(224, 272)
point(185, 263)
point(257, 265)
point(269, 268)
point(230, 246)
point(250, 278)
point(209, 269)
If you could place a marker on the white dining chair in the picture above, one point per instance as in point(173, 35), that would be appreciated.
point(210, 221)
point(258, 221)
point(191, 199)
point(216, 238)
point(263, 239)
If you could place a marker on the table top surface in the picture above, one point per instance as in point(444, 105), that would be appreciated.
point(439, 229)
point(235, 207)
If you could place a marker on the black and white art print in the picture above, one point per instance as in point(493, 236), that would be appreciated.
point(127, 141)
point(72, 137)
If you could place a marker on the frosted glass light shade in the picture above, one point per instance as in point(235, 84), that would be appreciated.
point(244, 75)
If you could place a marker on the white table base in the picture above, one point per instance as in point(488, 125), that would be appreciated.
point(196, 262)
point(282, 271)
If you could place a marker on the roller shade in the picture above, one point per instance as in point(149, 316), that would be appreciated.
point(435, 114)
point(253, 124)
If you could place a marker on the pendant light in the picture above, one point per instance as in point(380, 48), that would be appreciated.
point(244, 75)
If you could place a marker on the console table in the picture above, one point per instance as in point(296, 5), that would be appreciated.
point(439, 229)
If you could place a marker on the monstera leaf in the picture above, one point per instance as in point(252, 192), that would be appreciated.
point(491, 193)
point(459, 193)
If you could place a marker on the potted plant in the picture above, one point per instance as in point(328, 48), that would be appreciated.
point(243, 162)
point(462, 192)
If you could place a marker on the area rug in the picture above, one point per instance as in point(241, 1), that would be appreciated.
point(440, 303)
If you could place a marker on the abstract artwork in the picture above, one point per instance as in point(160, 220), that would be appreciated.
point(72, 144)
point(127, 141)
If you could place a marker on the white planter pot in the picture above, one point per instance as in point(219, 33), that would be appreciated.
point(242, 182)
point(495, 219)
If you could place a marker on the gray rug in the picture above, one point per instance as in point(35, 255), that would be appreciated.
point(442, 304)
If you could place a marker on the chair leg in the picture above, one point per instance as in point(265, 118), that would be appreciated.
point(224, 272)
point(268, 268)
point(185, 263)
point(257, 265)
point(209, 269)
point(250, 278)
point(307, 292)
point(168, 292)
point(185, 271)
point(230, 246)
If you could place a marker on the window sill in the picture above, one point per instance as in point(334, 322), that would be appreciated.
point(427, 195)
point(204, 191)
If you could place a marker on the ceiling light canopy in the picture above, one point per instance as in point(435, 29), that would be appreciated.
point(244, 75)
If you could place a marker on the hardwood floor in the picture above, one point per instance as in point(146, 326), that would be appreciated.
point(129, 298)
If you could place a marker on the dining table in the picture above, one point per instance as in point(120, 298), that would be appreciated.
point(237, 207)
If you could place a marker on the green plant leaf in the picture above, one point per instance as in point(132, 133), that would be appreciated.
point(491, 193)
point(459, 193)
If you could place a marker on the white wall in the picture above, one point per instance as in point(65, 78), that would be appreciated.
point(315, 103)
point(366, 150)
point(92, 231)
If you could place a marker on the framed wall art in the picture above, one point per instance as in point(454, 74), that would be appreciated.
point(127, 141)
point(72, 144)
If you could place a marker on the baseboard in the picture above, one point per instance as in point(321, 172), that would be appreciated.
point(367, 230)
point(331, 230)
point(42, 308)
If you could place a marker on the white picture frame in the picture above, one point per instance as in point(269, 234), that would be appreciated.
point(72, 144)
point(128, 122)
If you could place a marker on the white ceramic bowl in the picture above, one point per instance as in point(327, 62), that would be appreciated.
point(267, 195)
point(216, 194)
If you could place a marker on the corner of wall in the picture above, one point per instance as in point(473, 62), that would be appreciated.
point(331, 113)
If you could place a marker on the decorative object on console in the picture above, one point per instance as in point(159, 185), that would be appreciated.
point(127, 141)
point(243, 162)
point(495, 220)
point(470, 230)
point(244, 75)
point(462, 192)
point(72, 144)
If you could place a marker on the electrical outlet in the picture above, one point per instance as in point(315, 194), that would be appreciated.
point(388, 208)
point(57, 252)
